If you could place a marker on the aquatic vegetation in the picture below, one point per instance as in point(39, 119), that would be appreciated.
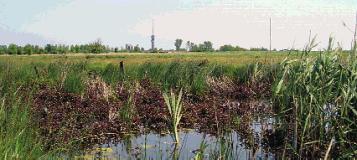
point(317, 102)
point(174, 105)
point(18, 138)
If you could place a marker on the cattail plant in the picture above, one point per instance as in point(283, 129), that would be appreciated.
point(174, 104)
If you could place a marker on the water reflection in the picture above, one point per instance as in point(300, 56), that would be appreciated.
point(194, 145)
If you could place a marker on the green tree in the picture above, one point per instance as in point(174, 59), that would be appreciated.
point(96, 47)
point(37, 49)
point(136, 48)
point(3, 49)
point(12, 49)
point(20, 50)
point(178, 43)
point(228, 47)
point(28, 49)
point(259, 49)
point(207, 46)
point(48, 48)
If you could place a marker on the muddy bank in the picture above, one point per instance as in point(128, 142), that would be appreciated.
point(103, 113)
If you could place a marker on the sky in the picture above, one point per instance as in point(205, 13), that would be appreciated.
point(236, 22)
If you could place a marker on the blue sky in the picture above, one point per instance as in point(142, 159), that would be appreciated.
point(117, 22)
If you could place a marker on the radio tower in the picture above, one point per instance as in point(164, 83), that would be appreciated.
point(152, 38)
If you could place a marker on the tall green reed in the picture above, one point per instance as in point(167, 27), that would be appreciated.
point(18, 137)
point(318, 97)
point(174, 105)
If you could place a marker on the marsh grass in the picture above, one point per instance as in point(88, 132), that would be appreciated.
point(319, 94)
point(314, 95)
point(112, 75)
point(18, 137)
point(73, 83)
point(127, 112)
point(224, 148)
point(75, 77)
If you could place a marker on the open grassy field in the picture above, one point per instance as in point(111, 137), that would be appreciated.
point(229, 58)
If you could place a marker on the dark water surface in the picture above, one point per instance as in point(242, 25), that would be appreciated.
point(230, 145)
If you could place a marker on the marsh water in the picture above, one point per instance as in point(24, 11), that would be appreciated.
point(229, 145)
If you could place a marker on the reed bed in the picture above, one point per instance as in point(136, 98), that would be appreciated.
point(316, 100)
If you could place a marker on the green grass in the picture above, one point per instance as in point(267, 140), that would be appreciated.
point(18, 138)
point(100, 60)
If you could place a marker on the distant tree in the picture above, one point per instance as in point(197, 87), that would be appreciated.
point(3, 49)
point(48, 48)
point(258, 49)
point(62, 49)
point(226, 47)
point(72, 49)
point(195, 48)
point(116, 49)
point(129, 47)
point(188, 46)
point(137, 48)
point(12, 49)
point(207, 46)
point(37, 49)
point(28, 49)
point(178, 43)
point(96, 47)
point(20, 50)
point(77, 49)
point(155, 50)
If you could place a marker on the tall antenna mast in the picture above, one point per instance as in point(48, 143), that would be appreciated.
point(152, 27)
point(153, 37)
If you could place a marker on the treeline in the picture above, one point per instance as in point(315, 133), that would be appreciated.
point(94, 47)
point(207, 46)
point(98, 47)
point(228, 47)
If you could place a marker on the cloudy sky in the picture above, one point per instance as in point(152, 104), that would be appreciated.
point(236, 22)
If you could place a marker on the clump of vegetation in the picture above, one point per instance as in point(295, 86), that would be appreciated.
point(73, 83)
point(18, 138)
point(318, 97)
point(174, 105)
point(127, 112)
point(74, 78)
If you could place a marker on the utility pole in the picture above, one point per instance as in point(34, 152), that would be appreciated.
point(270, 35)
point(355, 36)
point(309, 36)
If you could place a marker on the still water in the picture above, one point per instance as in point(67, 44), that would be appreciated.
point(230, 145)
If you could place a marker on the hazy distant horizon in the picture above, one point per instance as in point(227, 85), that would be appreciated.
point(117, 22)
